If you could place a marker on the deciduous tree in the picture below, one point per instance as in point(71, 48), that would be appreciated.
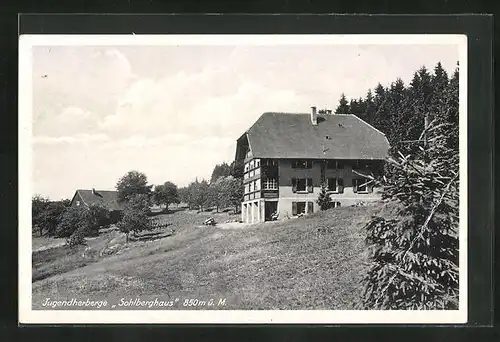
point(45, 214)
point(166, 194)
point(135, 215)
point(131, 184)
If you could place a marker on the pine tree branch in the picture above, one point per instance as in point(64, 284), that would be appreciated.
point(421, 231)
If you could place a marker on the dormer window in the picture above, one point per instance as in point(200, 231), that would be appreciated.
point(335, 164)
point(302, 164)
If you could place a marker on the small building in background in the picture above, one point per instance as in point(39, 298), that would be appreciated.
point(106, 198)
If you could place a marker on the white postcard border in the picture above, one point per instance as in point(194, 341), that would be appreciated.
point(27, 315)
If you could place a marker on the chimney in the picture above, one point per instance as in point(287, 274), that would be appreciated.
point(314, 116)
point(93, 191)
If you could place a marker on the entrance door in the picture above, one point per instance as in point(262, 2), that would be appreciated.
point(270, 208)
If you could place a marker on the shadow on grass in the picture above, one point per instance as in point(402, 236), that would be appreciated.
point(50, 262)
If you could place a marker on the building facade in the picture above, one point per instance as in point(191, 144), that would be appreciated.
point(287, 157)
point(105, 198)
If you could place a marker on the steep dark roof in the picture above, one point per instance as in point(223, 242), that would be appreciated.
point(107, 198)
point(287, 135)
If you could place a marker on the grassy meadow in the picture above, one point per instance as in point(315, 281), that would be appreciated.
point(313, 262)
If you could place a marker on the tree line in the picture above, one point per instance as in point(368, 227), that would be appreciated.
point(399, 110)
point(60, 219)
point(225, 189)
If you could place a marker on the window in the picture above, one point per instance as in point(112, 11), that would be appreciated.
point(257, 163)
point(298, 208)
point(364, 164)
point(362, 185)
point(250, 187)
point(335, 204)
point(302, 185)
point(77, 203)
point(335, 164)
point(310, 207)
point(255, 185)
point(301, 207)
point(301, 164)
point(332, 184)
point(270, 184)
point(336, 185)
point(269, 162)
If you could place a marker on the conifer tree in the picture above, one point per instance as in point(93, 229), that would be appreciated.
point(380, 110)
point(369, 107)
point(420, 93)
point(324, 200)
point(439, 85)
point(399, 110)
point(452, 108)
point(354, 106)
point(343, 107)
point(414, 251)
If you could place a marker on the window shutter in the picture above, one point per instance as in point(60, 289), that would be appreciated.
point(370, 187)
point(309, 185)
point(294, 185)
point(294, 208)
point(341, 185)
point(310, 207)
point(355, 185)
point(309, 164)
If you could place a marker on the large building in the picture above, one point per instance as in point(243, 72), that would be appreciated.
point(288, 156)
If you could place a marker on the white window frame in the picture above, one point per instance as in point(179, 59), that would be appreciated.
point(360, 181)
point(270, 184)
point(336, 184)
point(302, 164)
point(297, 185)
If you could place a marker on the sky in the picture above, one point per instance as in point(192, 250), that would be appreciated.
point(174, 111)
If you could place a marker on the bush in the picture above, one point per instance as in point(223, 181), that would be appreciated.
point(78, 237)
point(98, 216)
point(71, 220)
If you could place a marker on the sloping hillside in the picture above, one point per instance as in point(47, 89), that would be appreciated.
point(313, 262)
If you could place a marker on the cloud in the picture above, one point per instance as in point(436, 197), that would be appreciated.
point(194, 104)
point(76, 139)
point(68, 121)
point(93, 78)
